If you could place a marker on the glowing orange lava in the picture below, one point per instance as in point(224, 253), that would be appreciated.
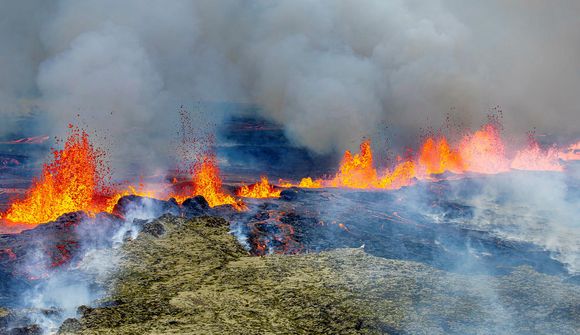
point(484, 151)
point(402, 175)
point(261, 189)
point(480, 152)
point(207, 183)
point(437, 157)
point(310, 183)
point(533, 158)
point(73, 180)
point(307, 182)
point(284, 183)
point(357, 171)
point(131, 190)
point(68, 183)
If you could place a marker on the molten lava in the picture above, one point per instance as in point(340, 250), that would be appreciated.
point(437, 157)
point(484, 151)
point(534, 158)
point(131, 190)
point(207, 183)
point(480, 152)
point(73, 179)
point(307, 182)
point(402, 175)
point(310, 183)
point(261, 189)
point(68, 183)
point(285, 183)
point(357, 171)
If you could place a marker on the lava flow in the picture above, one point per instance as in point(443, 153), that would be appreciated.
point(436, 157)
point(68, 183)
point(73, 179)
point(481, 152)
point(534, 158)
point(484, 151)
point(357, 171)
point(207, 183)
point(310, 183)
point(261, 189)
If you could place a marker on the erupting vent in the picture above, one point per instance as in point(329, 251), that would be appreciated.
point(74, 180)
point(69, 183)
point(207, 183)
point(259, 190)
point(481, 152)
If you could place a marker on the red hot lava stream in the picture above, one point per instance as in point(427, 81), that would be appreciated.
point(481, 152)
point(73, 180)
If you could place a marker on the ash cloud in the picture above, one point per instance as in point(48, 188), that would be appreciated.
point(329, 71)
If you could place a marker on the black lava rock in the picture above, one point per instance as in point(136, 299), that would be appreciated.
point(26, 330)
point(70, 325)
point(84, 310)
point(196, 206)
point(154, 228)
point(290, 194)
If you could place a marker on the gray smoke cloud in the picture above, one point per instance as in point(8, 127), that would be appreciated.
point(330, 71)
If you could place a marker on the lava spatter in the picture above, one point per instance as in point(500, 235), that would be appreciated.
point(69, 182)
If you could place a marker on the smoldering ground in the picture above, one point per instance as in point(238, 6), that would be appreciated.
point(69, 263)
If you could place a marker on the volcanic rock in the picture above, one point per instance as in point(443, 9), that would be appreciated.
point(8, 160)
point(290, 194)
point(196, 206)
point(26, 255)
point(196, 278)
point(224, 211)
point(69, 326)
point(73, 218)
point(27, 330)
point(154, 228)
point(144, 207)
point(84, 310)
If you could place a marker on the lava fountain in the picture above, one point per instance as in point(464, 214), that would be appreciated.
point(208, 183)
point(262, 189)
point(68, 183)
point(483, 152)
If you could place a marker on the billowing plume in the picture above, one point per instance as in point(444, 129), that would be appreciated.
point(330, 71)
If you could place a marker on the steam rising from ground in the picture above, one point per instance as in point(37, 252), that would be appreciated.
point(330, 71)
point(540, 208)
point(86, 278)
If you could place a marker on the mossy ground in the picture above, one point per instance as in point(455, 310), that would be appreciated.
point(196, 279)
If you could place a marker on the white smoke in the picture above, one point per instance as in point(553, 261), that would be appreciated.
point(56, 297)
point(330, 71)
point(538, 208)
point(85, 279)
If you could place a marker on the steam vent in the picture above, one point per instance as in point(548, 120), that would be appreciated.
point(289, 167)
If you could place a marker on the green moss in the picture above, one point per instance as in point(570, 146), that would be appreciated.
point(196, 279)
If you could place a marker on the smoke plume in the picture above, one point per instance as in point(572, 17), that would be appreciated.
point(329, 71)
